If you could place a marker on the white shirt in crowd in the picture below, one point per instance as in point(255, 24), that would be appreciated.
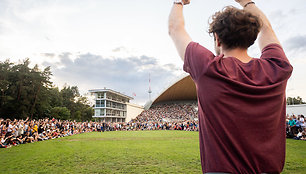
point(10, 128)
point(302, 121)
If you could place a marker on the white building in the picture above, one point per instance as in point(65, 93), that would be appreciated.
point(112, 106)
point(133, 111)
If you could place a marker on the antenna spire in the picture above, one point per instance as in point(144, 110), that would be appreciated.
point(149, 91)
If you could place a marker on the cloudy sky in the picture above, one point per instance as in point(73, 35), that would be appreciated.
point(117, 44)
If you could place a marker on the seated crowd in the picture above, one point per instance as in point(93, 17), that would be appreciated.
point(27, 131)
point(171, 112)
point(186, 125)
point(295, 127)
point(160, 117)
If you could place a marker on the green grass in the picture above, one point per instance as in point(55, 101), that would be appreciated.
point(122, 152)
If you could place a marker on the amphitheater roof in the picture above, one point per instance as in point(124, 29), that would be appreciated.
point(183, 89)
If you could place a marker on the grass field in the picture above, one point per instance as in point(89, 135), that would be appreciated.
point(122, 152)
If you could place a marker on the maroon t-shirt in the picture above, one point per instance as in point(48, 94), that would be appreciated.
point(242, 109)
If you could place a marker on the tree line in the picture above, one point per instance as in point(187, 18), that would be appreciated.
point(28, 92)
point(295, 101)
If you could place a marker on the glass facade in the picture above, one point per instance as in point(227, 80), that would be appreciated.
point(100, 103)
point(100, 95)
point(99, 112)
point(109, 105)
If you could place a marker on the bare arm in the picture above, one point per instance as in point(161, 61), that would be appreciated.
point(266, 34)
point(177, 30)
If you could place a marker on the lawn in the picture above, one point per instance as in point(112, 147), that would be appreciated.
point(122, 152)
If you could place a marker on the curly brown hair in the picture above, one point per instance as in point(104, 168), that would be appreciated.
point(235, 28)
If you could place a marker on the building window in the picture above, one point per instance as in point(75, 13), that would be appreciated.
point(108, 104)
point(99, 103)
point(97, 112)
point(100, 95)
point(102, 112)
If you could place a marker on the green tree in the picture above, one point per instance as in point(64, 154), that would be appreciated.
point(295, 101)
point(60, 113)
point(21, 89)
point(5, 72)
point(83, 106)
point(77, 104)
point(69, 96)
point(26, 91)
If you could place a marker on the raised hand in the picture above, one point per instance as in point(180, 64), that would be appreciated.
point(186, 2)
point(243, 2)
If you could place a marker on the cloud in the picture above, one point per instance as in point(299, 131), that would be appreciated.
point(296, 43)
point(281, 17)
point(47, 38)
point(49, 55)
point(126, 75)
point(118, 49)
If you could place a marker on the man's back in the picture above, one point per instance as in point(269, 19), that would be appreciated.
point(241, 109)
point(241, 99)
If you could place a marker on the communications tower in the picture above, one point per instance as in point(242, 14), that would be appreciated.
point(149, 91)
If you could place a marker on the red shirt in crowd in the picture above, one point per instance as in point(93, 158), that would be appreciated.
point(242, 109)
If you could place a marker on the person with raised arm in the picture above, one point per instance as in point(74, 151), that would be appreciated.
point(241, 99)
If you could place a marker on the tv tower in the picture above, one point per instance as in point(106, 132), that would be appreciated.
point(149, 91)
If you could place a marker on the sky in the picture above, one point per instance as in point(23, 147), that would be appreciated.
point(118, 44)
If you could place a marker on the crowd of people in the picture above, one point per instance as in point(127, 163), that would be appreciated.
point(27, 131)
point(186, 125)
point(296, 127)
point(169, 112)
point(159, 117)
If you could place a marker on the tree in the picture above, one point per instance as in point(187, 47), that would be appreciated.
point(55, 97)
point(77, 104)
point(83, 106)
point(295, 101)
point(21, 89)
point(26, 91)
point(5, 70)
point(18, 91)
point(60, 113)
point(40, 84)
